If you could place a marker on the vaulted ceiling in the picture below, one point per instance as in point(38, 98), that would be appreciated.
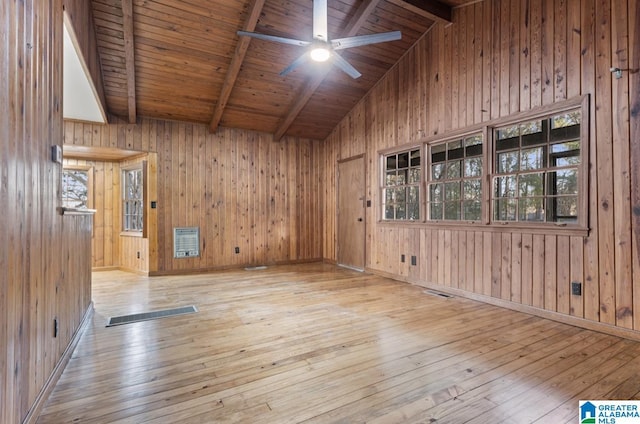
point(183, 60)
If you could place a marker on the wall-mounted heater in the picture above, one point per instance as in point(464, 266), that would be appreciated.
point(186, 242)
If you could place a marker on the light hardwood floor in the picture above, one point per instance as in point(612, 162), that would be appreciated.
point(320, 344)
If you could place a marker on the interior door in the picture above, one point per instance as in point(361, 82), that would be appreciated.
point(351, 213)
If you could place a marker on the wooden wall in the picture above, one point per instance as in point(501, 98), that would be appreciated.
point(240, 187)
point(501, 57)
point(43, 254)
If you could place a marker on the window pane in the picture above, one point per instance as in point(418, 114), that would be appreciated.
point(403, 160)
point(436, 192)
point(391, 178)
point(391, 162)
point(413, 211)
point(437, 171)
point(414, 175)
point(531, 185)
point(388, 196)
point(566, 119)
point(415, 158)
point(399, 195)
point(505, 186)
point(455, 150)
point(473, 140)
point(472, 190)
point(75, 188)
point(473, 167)
point(565, 208)
point(531, 209)
point(564, 181)
point(436, 210)
point(438, 153)
point(388, 212)
point(531, 159)
point(505, 209)
point(508, 132)
point(452, 191)
point(472, 210)
point(401, 211)
point(452, 210)
point(453, 169)
point(413, 195)
point(507, 162)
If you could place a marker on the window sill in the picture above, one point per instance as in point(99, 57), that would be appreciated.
point(545, 229)
point(131, 234)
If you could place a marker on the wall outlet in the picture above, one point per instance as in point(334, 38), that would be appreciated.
point(402, 259)
point(237, 250)
point(138, 254)
point(576, 288)
point(414, 260)
point(55, 327)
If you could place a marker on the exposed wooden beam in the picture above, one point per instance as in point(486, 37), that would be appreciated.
point(129, 58)
point(430, 9)
point(352, 28)
point(236, 63)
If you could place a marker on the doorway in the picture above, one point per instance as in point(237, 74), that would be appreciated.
point(351, 213)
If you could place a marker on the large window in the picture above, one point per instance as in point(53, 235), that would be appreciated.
point(526, 170)
point(132, 200)
point(455, 179)
point(401, 186)
point(536, 170)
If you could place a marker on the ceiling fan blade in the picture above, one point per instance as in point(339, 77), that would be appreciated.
point(341, 63)
point(275, 38)
point(320, 31)
point(299, 61)
point(363, 40)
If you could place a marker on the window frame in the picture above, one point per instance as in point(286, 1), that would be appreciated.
point(420, 185)
point(476, 131)
point(581, 104)
point(141, 166)
point(89, 170)
point(487, 130)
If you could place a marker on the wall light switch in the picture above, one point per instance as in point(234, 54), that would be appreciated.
point(56, 154)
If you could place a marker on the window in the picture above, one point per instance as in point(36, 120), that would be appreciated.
point(536, 170)
point(455, 179)
point(401, 186)
point(75, 188)
point(132, 200)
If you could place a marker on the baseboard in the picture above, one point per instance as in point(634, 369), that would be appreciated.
point(41, 399)
point(531, 310)
point(231, 267)
point(104, 268)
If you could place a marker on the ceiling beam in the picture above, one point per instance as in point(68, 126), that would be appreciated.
point(352, 28)
point(236, 63)
point(430, 9)
point(129, 58)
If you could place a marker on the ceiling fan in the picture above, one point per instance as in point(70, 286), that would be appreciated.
point(321, 48)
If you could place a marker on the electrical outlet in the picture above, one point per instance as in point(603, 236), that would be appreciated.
point(138, 254)
point(55, 327)
point(576, 288)
point(414, 260)
point(237, 250)
point(402, 258)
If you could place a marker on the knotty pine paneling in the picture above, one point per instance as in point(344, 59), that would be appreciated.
point(501, 57)
point(44, 256)
point(240, 187)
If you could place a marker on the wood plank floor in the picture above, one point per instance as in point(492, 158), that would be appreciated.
point(316, 343)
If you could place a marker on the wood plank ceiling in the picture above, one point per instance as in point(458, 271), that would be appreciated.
point(182, 59)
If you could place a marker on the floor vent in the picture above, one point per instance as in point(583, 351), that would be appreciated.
point(437, 293)
point(255, 268)
point(128, 319)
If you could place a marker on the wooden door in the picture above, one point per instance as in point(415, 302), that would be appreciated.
point(351, 213)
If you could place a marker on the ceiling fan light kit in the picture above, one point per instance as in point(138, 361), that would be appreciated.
point(322, 49)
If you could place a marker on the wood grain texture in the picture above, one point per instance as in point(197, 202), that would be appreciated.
point(241, 188)
point(45, 256)
point(534, 53)
point(321, 344)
